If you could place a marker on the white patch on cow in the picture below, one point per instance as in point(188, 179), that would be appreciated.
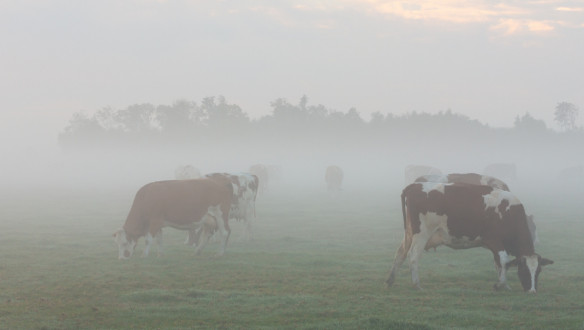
point(427, 187)
point(430, 222)
point(532, 263)
point(494, 199)
point(125, 247)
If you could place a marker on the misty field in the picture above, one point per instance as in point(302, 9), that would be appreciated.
point(318, 262)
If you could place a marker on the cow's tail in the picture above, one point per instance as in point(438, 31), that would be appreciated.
point(403, 203)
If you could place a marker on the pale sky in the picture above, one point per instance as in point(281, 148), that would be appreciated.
point(491, 61)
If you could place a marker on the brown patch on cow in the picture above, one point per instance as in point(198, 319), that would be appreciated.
point(180, 202)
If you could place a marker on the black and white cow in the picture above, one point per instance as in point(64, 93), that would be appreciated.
point(478, 179)
point(464, 216)
point(245, 189)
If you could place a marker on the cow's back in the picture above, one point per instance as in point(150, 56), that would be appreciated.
point(470, 212)
point(178, 202)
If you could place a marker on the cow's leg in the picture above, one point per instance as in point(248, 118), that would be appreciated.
point(418, 243)
point(158, 238)
point(247, 233)
point(501, 258)
point(192, 237)
point(204, 232)
point(225, 232)
point(400, 257)
point(148, 240)
point(202, 236)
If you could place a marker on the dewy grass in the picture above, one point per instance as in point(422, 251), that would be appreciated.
point(316, 263)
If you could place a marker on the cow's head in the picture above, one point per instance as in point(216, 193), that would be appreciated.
point(126, 245)
point(528, 269)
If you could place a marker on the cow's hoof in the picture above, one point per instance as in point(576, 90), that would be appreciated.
point(501, 286)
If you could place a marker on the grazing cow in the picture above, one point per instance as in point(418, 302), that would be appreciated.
point(464, 216)
point(333, 178)
point(181, 204)
point(186, 172)
point(505, 171)
point(261, 171)
point(245, 189)
point(477, 179)
point(412, 172)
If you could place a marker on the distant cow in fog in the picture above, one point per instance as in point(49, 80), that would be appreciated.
point(274, 173)
point(186, 172)
point(572, 173)
point(182, 204)
point(333, 178)
point(412, 172)
point(503, 171)
point(261, 171)
point(477, 179)
point(463, 216)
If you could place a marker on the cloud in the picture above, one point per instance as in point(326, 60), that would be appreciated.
point(455, 11)
point(508, 27)
point(505, 18)
point(569, 9)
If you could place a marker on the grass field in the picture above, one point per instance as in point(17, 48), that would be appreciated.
point(317, 262)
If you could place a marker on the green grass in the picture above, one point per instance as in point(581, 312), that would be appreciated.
point(317, 263)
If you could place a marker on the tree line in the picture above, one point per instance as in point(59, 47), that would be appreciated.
point(215, 121)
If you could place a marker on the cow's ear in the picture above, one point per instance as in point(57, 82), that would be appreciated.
point(545, 261)
point(512, 263)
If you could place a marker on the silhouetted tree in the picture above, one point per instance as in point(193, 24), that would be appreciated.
point(178, 118)
point(565, 115)
point(527, 123)
point(136, 118)
point(224, 121)
point(81, 132)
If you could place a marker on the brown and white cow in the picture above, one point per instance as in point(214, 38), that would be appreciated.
point(181, 204)
point(464, 216)
point(412, 172)
point(186, 172)
point(478, 179)
point(245, 190)
point(333, 178)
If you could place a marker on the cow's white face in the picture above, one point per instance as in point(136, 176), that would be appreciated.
point(528, 269)
point(126, 247)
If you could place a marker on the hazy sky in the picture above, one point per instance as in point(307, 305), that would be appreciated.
point(488, 60)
